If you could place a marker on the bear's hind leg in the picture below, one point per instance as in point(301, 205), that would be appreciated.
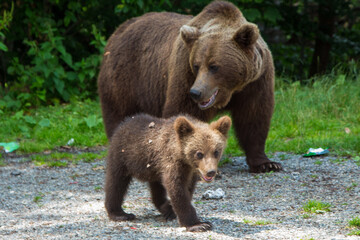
point(158, 195)
point(116, 189)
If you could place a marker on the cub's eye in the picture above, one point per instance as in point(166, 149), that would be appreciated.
point(216, 154)
point(199, 155)
point(196, 68)
point(213, 68)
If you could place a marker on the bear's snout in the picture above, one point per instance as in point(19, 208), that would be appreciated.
point(211, 173)
point(195, 94)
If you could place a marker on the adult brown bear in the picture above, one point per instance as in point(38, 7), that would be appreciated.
point(164, 64)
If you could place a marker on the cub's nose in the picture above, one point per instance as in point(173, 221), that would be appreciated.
point(195, 94)
point(211, 173)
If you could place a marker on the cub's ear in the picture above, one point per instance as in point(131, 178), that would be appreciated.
point(189, 34)
point(183, 127)
point(247, 35)
point(222, 125)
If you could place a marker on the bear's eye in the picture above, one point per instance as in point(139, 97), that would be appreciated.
point(196, 68)
point(213, 68)
point(199, 155)
point(216, 154)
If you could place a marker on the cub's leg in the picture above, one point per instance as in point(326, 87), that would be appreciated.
point(178, 187)
point(115, 190)
point(158, 195)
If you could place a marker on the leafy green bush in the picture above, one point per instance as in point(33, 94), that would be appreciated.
point(50, 51)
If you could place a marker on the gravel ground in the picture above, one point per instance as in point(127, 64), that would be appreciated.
point(68, 203)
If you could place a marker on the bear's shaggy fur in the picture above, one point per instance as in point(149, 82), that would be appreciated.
point(164, 64)
point(170, 154)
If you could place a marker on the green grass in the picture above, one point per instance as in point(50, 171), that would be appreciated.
point(317, 207)
point(38, 198)
point(355, 224)
point(316, 116)
point(325, 114)
point(58, 159)
point(257, 222)
point(49, 127)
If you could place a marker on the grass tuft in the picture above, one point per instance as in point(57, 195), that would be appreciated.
point(317, 207)
point(355, 223)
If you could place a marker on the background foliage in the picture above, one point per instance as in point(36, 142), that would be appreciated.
point(50, 51)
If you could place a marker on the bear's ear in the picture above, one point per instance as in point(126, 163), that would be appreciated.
point(222, 125)
point(183, 127)
point(247, 35)
point(189, 34)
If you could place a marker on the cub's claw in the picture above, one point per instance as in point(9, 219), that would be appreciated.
point(201, 227)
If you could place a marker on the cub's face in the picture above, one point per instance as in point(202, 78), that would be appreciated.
point(203, 144)
point(222, 62)
point(205, 154)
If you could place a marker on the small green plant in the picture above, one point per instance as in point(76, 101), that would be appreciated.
point(314, 176)
point(318, 162)
point(357, 160)
point(246, 221)
point(2, 161)
point(52, 160)
point(262, 222)
point(355, 224)
point(338, 161)
point(314, 206)
point(353, 185)
point(38, 197)
point(97, 188)
point(306, 216)
point(257, 222)
point(91, 157)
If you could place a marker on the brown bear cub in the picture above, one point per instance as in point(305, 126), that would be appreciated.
point(170, 154)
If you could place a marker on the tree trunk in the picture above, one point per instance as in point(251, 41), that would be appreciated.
point(326, 29)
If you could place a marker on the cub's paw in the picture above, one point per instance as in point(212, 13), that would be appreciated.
point(167, 211)
point(267, 167)
point(200, 227)
point(122, 217)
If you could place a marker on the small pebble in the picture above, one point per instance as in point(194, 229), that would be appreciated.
point(15, 173)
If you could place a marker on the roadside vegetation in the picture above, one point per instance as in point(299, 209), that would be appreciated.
point(324, 114)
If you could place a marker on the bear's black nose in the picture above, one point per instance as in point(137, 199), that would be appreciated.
point(211, 173)
point(195, 94)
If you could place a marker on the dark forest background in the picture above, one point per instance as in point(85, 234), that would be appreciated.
point(50, 50)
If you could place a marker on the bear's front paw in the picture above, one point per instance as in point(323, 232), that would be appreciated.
point(167, 211)
point(121, 217)
point(200, 227)
point(266, 167)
